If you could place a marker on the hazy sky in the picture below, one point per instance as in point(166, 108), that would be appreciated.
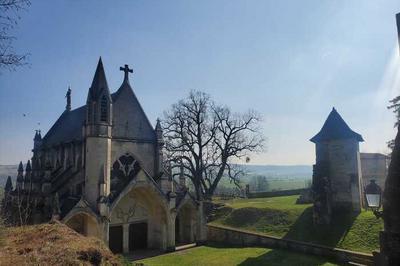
point(290, 60)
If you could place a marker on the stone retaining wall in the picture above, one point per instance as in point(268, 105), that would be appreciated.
point(230, 236)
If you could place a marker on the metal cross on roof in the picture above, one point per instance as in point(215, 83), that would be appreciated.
point(126, 70)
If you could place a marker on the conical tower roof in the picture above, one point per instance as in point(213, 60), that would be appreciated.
point(335, 128)
point(99, 83)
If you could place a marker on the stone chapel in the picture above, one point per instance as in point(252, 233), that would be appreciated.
point(99, 169)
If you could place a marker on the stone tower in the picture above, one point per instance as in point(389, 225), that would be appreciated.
point(98, 138)
point(337, 173)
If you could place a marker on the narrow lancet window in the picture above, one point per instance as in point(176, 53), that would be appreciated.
point(103, 109)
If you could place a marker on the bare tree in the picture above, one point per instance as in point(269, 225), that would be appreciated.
point(23, 206)
point(9, 17)
point(209, 140)
point(17, 206)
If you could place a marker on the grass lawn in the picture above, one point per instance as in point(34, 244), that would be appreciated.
point(281, 217)
point(218, 255)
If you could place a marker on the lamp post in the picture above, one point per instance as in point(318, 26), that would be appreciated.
point(373, 194)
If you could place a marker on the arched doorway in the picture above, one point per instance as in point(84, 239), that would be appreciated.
point(185, 224)
point(138, 219)
point(84, 224)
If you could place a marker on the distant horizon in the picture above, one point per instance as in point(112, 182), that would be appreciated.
point(290, 61)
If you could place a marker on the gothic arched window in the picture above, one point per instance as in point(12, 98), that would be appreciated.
point(123, 171)
point(103, 109)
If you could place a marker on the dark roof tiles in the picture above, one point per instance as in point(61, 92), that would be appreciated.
point(67, 128)
point(335, 128)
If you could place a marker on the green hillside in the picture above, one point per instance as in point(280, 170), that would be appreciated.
point(281, 217)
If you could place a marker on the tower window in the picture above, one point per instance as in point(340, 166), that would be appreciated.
point(103, 109)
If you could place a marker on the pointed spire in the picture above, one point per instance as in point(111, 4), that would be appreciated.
point(99, 83)
point(68, 96)
point(28, 167)
point(20, 176)
point(158, 125)
point(37, 140)
point(37, 135)
point(20, 167)
point(159, 131)
point(9, 185)
point(28, 176)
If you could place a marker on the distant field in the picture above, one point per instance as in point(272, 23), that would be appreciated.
point(286, 184)
point(273, 184)
point(227, 256)
point(281, 217)
point(278, 177)
point(5, 171)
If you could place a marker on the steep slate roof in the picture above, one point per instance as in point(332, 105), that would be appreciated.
point(335, 128)
point(124, 99)
point(68, 127)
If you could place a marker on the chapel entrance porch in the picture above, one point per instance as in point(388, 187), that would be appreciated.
point(128, 237)
point(141, 212)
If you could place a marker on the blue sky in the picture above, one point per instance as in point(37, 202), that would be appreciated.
point(292, 61)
